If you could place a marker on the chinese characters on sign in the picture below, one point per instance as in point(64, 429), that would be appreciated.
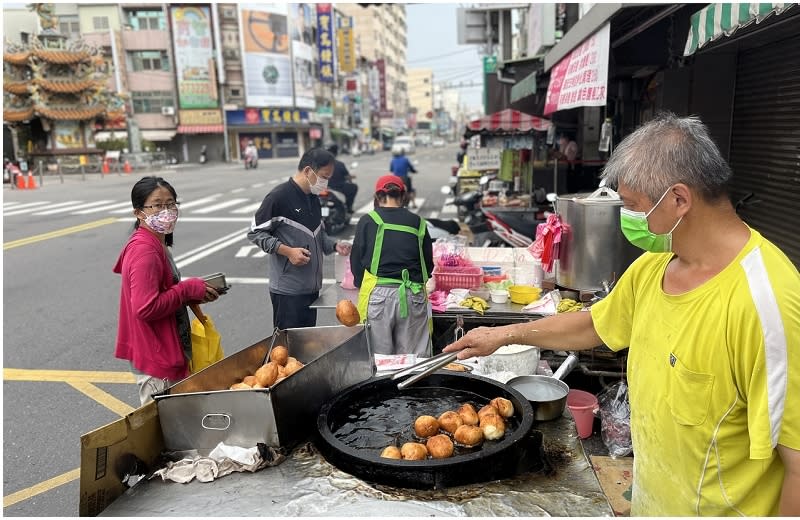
point(191, 29)
point(580, 78)
point(345, 45)
point(325, 42)
point(381, 66)
point(266, 116)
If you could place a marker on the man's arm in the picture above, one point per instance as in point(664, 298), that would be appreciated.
point(790, 497)
point(568, 331)
point(261, 234)
point(411, 166)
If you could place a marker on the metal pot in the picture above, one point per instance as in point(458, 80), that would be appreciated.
point(547, 395)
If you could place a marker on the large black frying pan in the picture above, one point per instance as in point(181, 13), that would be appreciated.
point(355, 426)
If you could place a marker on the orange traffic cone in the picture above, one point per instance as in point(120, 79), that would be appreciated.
point(106, 169)
point(127, 167)
point(20, 181)
point(31, 182)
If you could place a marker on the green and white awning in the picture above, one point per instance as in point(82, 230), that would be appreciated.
point(718, 20)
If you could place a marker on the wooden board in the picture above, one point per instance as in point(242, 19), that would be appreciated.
point(616, 479)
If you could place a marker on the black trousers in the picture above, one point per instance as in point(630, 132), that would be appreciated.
point(349, 189)
point(291, 311)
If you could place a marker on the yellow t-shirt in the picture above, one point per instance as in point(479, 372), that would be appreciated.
point(714, 382)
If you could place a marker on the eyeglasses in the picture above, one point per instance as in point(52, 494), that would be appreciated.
point(162, 207)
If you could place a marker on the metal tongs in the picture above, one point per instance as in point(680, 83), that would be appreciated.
point(275, 332)
point(430, 365)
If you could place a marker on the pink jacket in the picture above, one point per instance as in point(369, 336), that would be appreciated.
point(148, 331)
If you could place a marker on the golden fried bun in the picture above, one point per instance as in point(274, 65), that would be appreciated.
point(280, 355)
point(503, 405)
point(468, 414)
point(468, 435)
point(292, 366)
point(426, 426)
point(267, 374)
point(440, 446)
point(249, 380)
point(414, 451)
point(493, 426)
point(240, 386)
point(489, 409)
point(450, 421)
point(391, 452)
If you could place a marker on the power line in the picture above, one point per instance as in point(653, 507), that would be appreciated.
point(440, 56)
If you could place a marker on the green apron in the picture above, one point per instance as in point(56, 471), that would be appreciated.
point(371, 280)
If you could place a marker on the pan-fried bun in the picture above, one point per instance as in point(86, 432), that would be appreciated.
point(414, 451)
point(426, 426)
point(503, 405)
point(440, 446)
point(450, 421)
point(468, 435)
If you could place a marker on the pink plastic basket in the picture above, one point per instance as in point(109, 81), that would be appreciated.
point(447, 278)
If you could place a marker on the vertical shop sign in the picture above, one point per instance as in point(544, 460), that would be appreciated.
point(265, 54)
point(325, 42)
point(381, 66)
point(345, 45)
point(373, 87)
point(194, 58)
point(580, 78)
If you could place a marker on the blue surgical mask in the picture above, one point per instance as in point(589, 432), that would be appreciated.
point(636, 229)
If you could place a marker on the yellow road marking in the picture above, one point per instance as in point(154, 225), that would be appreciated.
point(58, 233)
point(20, 374)
point(109, 401)
point(41, 487)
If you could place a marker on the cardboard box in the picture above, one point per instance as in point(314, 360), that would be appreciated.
point(112, 454)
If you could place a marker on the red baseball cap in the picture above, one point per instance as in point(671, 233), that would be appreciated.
point(389, 179)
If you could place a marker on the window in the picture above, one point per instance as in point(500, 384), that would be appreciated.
point(151, 102)
point(69, 28)
point(100, 23)
point(146, 19)
point(426, 80)
point(229, 13)
point(149, 60)
point(235, 92)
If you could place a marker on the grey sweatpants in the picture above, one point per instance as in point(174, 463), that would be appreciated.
point(391, 334)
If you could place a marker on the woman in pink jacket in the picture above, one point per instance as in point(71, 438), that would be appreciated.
point(154, 330)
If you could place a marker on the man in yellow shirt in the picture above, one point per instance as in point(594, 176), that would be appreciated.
point(711, 317)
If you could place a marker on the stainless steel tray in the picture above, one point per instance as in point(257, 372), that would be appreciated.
point(200, 411)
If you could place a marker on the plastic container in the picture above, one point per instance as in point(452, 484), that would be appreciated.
point(457, 277)
point(480, 293)
point(521, 360)
point(524, 294)
point(583, 406)
point(523, 275)
point(460, 293)
point(499, 296)
point(489, 278)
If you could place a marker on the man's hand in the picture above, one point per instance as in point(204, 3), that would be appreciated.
point(481, 341)
point(343, 248)
point(299, 256)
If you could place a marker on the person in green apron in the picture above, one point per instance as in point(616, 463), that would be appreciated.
point(391, 259)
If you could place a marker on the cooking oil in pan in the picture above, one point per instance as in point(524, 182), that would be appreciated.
point(380, 421)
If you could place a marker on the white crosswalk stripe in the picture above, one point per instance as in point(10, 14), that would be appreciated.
point(77, 205)
point(27, 207)
point(247, 209)
point(115, 206)
point(218, 206)
point(29, 210)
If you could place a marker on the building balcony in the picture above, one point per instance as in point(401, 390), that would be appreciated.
point(154, 121)
point(145, 81)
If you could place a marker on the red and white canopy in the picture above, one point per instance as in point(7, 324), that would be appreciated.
point(509, 121)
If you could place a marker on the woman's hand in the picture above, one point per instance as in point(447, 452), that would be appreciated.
point(211, 295)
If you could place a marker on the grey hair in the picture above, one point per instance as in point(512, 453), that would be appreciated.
point(666, 151)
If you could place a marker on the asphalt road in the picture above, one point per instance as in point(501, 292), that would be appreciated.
point(61, 299)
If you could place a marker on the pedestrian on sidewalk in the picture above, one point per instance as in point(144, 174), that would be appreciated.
point(288, 226)
point(154, 330)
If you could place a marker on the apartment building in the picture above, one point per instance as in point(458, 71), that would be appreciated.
point(421, 94)
point(380, 34)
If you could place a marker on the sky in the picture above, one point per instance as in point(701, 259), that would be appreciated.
point(432, 32)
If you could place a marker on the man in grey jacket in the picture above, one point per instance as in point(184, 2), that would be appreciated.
point(289, 227)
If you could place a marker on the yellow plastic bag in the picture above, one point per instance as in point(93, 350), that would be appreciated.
point(206, 342)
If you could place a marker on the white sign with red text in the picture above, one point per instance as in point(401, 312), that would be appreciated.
point(580, 79)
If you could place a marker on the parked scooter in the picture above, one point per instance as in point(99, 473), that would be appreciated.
point(203, 155)
point(334, 210)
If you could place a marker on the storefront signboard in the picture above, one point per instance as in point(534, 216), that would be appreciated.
point(286, 144)
point(194, 57)
point(483, 158)
point(266, 66)
point(325, 42)
point(580, 78)
point(381, 66)
point(267, 117)
point(200, 117)
point(346, 45)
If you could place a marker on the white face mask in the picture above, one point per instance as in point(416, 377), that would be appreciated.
point(320, 186)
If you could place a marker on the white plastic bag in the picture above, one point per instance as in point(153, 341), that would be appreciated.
point(615, 419)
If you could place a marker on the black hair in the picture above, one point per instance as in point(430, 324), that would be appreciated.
point(334, 149)
point(316, 158)
point(391, 191)
point(142, 189)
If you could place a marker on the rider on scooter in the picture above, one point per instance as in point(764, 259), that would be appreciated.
point(342, 180)
point(250, 154)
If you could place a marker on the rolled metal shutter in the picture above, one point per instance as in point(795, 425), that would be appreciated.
point(765, 142)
